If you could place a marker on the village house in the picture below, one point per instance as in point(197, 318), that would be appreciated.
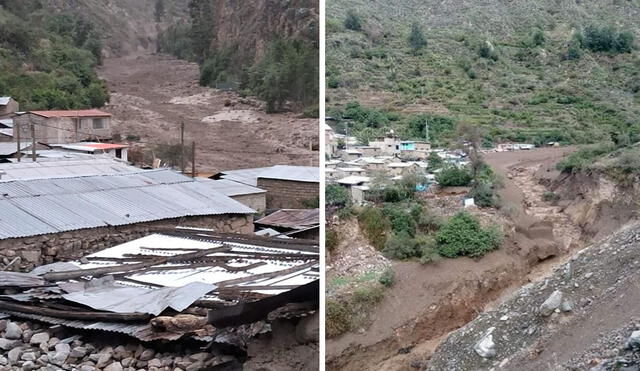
point(6, 130)
point(288, 187)
point(61, 127)
point(389, 145)
point(247, 195)
point(330, 145)
point(119, 151)
point(297, 223)
point(401, 168)
point(369, 151)
point(350, 154)
point(373, 164)
point(349, 171)
point(8, 107)
point(52, 218)
point(331, 173)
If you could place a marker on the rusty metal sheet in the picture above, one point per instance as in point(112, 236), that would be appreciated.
point(292, 218)
point(122, 299)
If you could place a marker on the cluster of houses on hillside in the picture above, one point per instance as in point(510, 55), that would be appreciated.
point(355, 166)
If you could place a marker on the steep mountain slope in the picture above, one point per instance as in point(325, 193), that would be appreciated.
point(505, 65)
point(128, 26)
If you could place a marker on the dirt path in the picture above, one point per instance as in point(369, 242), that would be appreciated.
point(429, 301)
point(152, 94)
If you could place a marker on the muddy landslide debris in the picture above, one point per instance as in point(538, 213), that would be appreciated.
point(531, 328)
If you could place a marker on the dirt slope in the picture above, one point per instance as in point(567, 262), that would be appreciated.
point(601, 282)
point(151, 94)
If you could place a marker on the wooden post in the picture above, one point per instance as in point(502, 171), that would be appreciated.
point(182, 159)
point(193, 159)
point(33, 141)
point(16, 134)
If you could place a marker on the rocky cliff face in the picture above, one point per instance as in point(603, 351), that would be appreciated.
point(127, 26)
point(250, 28)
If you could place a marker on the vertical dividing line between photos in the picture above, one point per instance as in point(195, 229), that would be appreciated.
point(321, 130)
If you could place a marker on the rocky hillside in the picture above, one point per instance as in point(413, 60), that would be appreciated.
point(127, 27)
point(582, 317)
point(527, 71)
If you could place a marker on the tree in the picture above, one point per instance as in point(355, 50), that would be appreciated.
point(417, 40)
point(160, 10)
point(353, 21)
point(538, 38)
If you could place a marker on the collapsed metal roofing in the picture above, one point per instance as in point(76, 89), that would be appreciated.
point(224, 280)
point(250, 177)
point(53, 205)
point(292, 218)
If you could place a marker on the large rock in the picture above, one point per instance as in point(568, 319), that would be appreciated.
point(485, 347)
point(7, 344)
point(39, 338)
point(634, 340)
point(14, 355)
point(552, 303)
point(115, 366)
point(147, 354)
point(13, 331)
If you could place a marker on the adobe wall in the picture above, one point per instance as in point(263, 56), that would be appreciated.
point(286, 194)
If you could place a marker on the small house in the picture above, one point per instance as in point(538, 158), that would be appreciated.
point(70, 126)
point(119, 151)
point(8, 107)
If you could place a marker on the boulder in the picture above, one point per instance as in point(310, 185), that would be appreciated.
point(552, 303)
point(485, 347)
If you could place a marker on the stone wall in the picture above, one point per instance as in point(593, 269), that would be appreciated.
point(286, 194)
point(256, 201)
point(29, 252)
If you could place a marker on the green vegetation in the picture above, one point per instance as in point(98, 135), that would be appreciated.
point(417, 40)
point(48, 60)
point(453, 176)
point(331, 239)
point(528, 73)
point(352, 21)
point(462, 235)
point(349, 311)
point(374, 226)
point(550, 197)
point(584, 157)
point(287, 73)
point(336, 195)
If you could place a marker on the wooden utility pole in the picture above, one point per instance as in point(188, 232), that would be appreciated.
point(33, 141)
point(16, 133)
point(193, 159)
point(182, 155)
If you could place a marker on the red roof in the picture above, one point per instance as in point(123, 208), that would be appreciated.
point(105, 145)
point(72, 113)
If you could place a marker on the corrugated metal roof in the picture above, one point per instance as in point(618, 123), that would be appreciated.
point(42, 206)
point(9, 148)
point(62, 167)
point(296, 173)
point(4, 101)
point(231, 188)
point(292, 218)
point(283, 172)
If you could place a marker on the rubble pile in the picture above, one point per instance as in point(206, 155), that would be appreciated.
point(174, 300)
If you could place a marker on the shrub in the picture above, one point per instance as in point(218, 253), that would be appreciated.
point(453, 176)
point(483, 194)
point(417, 40)
point(434, 161)
point(336, 195)
point(331, 239)
point(462, 235)
point(401, 246)
point(584, 157)
point(538, 38)
point(550, 197)
point(429, 221)
point(401, 220)
point(353, 21)
point(388, 277)
point(337, 318)
point(607, 39)
point(428, 249)
point(374, 226)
